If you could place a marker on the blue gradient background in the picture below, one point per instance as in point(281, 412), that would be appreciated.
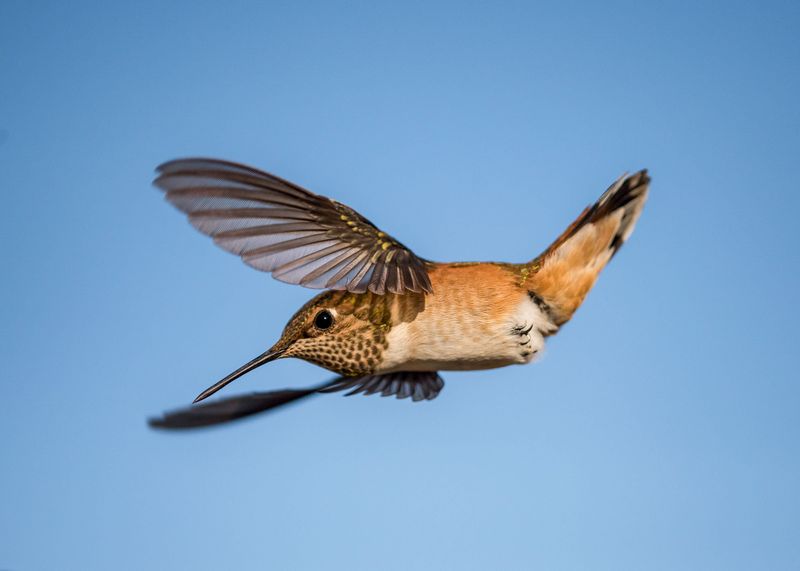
point(660, 431)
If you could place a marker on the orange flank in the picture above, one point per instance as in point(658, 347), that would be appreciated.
point(466, 324)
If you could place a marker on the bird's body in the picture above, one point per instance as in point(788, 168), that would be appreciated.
point(390, 320)
point(483, 318)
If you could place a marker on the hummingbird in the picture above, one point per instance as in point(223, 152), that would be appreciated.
point(389, 320)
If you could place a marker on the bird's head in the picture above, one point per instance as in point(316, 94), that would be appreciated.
point(338, 330)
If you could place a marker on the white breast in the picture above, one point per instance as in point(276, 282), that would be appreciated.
point(470, 339)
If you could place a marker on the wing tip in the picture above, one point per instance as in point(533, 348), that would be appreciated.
point(176, 164)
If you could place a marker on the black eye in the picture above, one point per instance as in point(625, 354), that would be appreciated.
point(323, 320)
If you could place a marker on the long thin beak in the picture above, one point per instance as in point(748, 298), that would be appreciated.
point(270, 355)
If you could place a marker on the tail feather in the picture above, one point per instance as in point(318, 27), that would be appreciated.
point(564, 273)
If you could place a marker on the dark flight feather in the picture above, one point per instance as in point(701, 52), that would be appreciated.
point(423, 385)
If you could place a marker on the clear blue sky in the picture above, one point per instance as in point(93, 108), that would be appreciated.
point(660, 431)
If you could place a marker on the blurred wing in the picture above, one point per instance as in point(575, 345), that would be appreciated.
point(232, 408)
point(300, 237)
point(417, 385)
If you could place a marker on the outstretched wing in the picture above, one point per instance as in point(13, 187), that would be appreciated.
point(300, 237)
point(417, 385)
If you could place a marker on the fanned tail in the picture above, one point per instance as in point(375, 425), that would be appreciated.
point(564, 273)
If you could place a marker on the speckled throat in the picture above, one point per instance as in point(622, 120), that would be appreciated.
point(359, 338)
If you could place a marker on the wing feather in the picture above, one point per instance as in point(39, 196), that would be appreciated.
point(276, 226)
point(419, 385)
